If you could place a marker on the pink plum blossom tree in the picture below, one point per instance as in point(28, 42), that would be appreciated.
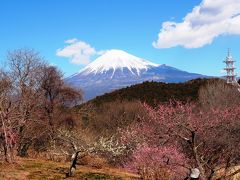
point(184, 135)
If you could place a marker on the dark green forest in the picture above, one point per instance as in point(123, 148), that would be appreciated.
point(154, 93)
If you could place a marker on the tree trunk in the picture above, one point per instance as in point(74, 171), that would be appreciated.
point(197, 158)
point(23, 148)
point(200, 166)
point(74, 163)
point(6, 143)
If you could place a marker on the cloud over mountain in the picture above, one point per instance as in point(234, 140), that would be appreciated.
point(207, 21)
point(78, 52)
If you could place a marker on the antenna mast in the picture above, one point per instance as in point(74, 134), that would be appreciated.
point(230, 69)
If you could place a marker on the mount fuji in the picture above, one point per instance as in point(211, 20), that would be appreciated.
point(116, 69)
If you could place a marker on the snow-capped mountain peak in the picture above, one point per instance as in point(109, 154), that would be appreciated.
point(117, 59)
point(116, 69)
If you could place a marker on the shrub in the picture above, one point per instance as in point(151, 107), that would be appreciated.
point(157, 173)
point(93, 161)
point(217, 93)
point(105, 120)
point(156, 162)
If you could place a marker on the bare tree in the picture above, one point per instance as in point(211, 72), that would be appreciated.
point(8, 117)
point(57, 95)
point(25, 70)
point(217, 93)
point(32, 95)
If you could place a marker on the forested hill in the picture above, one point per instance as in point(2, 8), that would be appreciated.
point(155, 92)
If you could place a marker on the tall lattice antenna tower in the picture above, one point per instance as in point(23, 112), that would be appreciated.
point(230, 69)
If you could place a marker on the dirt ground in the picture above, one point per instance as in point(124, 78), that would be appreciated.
point(25, 169)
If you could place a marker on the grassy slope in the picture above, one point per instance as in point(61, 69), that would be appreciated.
point(40, 169)
point(36, 169)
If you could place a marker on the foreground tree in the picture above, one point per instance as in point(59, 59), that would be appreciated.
point(33, 99)
point(55, 106)
point(8, 118)
point(25, 67)
point(203, 139)
point(56, 95)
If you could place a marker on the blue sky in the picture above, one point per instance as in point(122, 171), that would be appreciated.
point(129, 25)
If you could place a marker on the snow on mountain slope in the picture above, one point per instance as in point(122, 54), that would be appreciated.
point(117, 59)
point(116, 69)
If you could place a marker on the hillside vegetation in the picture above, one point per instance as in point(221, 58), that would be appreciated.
point(155, 92)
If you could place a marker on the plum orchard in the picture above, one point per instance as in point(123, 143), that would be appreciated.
point(179, 137)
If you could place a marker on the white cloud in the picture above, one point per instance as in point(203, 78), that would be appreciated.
point(70, 41)
point(207, 21)
point(79, 52)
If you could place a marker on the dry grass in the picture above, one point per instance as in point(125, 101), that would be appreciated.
point(37, 169)
point(25, 169)
point(93, 161)
point(232, 173)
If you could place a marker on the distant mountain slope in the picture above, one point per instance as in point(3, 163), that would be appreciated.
point(117, 69)
point(155, 92)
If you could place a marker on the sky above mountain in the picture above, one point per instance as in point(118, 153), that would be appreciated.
point(190, 35)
